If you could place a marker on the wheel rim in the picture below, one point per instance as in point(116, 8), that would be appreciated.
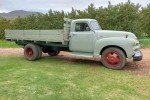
point(29, 52)
point(113, 59)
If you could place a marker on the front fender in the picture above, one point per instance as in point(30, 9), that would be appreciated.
point(125, 43)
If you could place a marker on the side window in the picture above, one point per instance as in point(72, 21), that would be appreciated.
point(81, 27)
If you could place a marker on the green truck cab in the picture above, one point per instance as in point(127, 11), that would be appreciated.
point(81, 37)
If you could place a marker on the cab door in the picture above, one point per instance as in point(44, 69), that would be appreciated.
point(81, 39)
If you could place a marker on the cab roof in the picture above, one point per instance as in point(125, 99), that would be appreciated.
point(88, 20)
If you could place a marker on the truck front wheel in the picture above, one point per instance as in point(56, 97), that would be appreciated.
point(113, 58)
point(31, 52)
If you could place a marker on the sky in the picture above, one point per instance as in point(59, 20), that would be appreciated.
point(66, 5)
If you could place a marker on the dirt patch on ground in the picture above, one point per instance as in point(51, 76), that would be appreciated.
point(138, 68)
point(141, 67)
point(11, 51)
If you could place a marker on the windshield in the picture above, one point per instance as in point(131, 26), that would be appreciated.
point(95, 25)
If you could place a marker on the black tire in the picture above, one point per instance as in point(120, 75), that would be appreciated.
point(53, 53)
point(39, 52)
point(113, 58)
point(31, 52)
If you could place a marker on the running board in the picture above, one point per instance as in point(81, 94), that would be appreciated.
point(79, 54)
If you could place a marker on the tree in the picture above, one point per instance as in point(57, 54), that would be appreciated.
point(72, 14)
point(144, 19)
point(4, 24)
point(123, 16)
point(18, 23)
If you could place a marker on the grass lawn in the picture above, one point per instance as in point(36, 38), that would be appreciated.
point(58, 79)
point(55, 78)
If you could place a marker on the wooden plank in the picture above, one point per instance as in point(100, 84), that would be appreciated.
point(35, 35)
point(51, 35)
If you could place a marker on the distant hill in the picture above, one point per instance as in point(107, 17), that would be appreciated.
point(16, 13)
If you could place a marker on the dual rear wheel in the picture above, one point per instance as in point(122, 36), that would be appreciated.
point(32, 52)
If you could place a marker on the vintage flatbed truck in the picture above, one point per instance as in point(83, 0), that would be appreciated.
point(81, 37)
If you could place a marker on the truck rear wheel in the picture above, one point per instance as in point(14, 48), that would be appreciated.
point(31, 52)
point(53, 53)
point(39, 52)
point(113, 58)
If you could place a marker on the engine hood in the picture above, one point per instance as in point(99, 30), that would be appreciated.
point(110, 33)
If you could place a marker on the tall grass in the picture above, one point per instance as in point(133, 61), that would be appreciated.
point(8, 44)
point(145, 43)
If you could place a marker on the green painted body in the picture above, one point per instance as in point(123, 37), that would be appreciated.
point(90, 42)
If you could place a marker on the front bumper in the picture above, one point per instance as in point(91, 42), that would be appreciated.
point(138, 56)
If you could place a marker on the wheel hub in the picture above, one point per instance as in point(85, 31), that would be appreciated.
point(113, 59)
point(29, 52)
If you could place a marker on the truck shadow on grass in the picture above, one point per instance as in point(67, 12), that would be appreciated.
point(90, 61)
point(77, 60)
